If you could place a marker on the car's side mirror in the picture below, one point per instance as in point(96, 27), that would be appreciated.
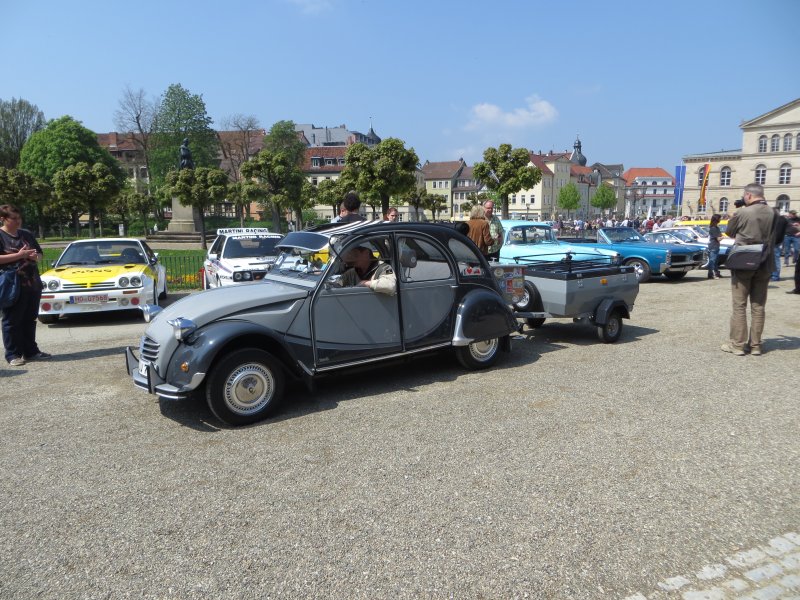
point(334, 281)
point(213, 256)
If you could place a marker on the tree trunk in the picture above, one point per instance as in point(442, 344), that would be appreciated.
point(276, 217)
point(384, 204)
point(76, 223)
point(504, 206)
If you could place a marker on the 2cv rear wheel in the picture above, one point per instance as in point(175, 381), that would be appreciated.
point(479, 355)
point(245, 387)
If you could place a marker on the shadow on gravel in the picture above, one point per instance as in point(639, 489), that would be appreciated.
point(117, 351)
point(782, 342)
point(408, 375)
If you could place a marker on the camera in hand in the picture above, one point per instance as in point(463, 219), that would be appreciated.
point(739, 203)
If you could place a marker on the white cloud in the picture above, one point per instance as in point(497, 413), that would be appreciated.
point(536, 112)
point(313, 7)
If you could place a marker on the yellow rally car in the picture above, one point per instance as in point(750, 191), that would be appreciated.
point(101, 275)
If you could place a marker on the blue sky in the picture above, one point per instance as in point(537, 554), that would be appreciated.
point(643, 83)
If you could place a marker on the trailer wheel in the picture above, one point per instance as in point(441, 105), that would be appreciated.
point(531, 302)
point(612, 330)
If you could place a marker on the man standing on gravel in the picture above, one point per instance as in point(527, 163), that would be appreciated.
point(752, 224)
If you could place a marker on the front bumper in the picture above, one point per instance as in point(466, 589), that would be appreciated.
point(85, 301)
point(145, 377)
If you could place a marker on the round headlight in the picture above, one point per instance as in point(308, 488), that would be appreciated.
point(136, 281)
point(237, 276)
point(247, 276)
point(123, 282)
point(52, 284)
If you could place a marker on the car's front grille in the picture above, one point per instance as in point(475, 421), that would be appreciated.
point(149, 349)
point(106, 285)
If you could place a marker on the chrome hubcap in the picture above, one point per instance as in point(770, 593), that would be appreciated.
point(249, 388)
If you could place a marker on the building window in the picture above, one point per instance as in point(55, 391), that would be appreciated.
point(143, 172)
point(797, 143)
point(783, 203)
point(522, 199)
point(316, 162)
point(341, 162)
point(725, 176)
point(313, 181)
point(787, 142)
point(785, 176)
point(776, 143)
point(761, 174)
point(762, 143)
point(723, 205)
point(447, 184)
point(329, 162)
point(700, 175)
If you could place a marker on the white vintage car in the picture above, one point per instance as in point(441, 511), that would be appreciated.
point(239, 255)
point(102, 275)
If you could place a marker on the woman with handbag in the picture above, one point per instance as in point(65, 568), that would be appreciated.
point(19, 250)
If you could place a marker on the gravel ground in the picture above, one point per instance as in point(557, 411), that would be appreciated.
point(573, 469)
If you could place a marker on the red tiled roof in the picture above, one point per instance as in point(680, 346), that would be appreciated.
point(117, 141)
point(579, 170)
point(631, 174)
point(323, 152)
point(441, 170)
point(538, 161)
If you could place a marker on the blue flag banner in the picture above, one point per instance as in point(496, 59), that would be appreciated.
point(680, 178)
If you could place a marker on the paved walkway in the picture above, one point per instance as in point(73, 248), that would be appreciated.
point(767, 572)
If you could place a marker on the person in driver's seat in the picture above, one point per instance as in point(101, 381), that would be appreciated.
point(363, 269)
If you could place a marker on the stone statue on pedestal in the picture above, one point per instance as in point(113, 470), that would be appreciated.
point(186, 156)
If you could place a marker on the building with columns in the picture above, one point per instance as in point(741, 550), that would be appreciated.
point(770, 152)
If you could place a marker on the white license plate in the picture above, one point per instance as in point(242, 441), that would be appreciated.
point(143, 364)
point(89, 299)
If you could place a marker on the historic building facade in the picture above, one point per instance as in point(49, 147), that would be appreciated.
point(769, 154)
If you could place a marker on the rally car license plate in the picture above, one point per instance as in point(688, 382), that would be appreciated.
point(89, 299)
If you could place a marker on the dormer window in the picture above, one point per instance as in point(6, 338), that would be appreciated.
point(316, 162)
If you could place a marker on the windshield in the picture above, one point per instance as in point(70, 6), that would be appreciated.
point(529, 234)
point(301, 263)
point(684, 235)
point(622, 234)
point(102, 253)
point(240, 247)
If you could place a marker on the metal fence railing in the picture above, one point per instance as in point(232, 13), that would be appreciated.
point(183, 272)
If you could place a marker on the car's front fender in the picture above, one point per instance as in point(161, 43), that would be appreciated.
point(482, 315)
point(193, 358)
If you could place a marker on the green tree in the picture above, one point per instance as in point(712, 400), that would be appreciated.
point(131, 202)
point(330, 193)
point(200, 188)
point(282, 137)
point(27, 193)
point(180, 115)
point(19, 119)
point(384, 170)
point(80, 188)
point(276, 179)
point(436, 203)
point(506, 171)
point(569, 198)
point(62, 143)
point(604, 198)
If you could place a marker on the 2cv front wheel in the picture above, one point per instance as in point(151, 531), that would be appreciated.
point(245, 387)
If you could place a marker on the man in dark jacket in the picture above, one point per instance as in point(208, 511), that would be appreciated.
point(780, 231)
point(752, 224)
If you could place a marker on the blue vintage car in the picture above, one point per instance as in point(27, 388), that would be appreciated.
point(671, 260)
point(536, 240)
